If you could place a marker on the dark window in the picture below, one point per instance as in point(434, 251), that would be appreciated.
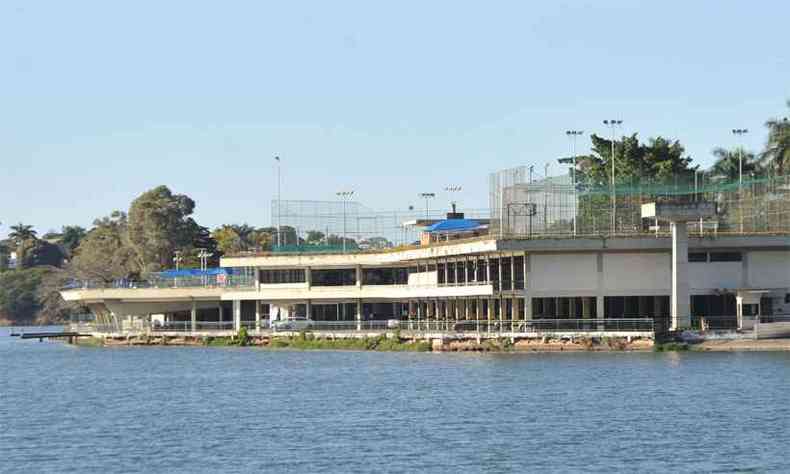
point(385, 276)
point(787, 298)
point(282, 276)
point(342, 277)
point(726, 257)
point(698, 256)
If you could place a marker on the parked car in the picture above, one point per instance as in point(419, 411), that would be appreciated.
point(295, 324)
point(461, 326)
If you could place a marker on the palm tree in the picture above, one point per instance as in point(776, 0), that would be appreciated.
point(21, 233)
point(727, 166)
point(777, 151)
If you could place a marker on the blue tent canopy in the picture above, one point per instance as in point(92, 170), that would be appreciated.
point(453, 225)
point(193, 272)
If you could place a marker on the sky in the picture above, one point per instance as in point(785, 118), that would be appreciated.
point(100, 101)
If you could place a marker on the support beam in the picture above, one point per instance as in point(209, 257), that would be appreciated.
point(681, 296)
point(257, 315)
point(236, 315)
point(193, 315)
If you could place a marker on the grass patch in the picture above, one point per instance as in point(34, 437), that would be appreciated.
point(305, 341)
point(671, 347)
point(88, 341)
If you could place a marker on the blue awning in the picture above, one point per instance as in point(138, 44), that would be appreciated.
point(193, 272)
point(453, 225)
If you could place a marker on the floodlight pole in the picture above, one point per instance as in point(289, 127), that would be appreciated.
point(279, 230)
point(573, 134)
point(427, 196)
point(739, 132)
point(613, 125)
point(345, 196)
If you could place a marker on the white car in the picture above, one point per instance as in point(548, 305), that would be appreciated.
point(296, 324)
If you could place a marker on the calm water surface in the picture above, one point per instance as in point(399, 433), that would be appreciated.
point(94, 410)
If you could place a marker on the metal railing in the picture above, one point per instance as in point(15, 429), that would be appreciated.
point(422, 326)
point(207, 281)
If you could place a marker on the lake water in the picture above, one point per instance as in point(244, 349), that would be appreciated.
point(194, 410)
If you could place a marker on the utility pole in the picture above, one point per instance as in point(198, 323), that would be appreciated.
point(345, 196)
point(613, 124)
point(573, 135)
point(740, 132)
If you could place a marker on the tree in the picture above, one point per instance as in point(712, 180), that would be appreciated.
point(52, 308)
point(315, 236)
point(776, 156)
point(158, 225)
point(105, 253)
point(228, 240)
point(727, 167)
point(18, 301)
point(659, 160)
point(21, 233)
point(71, 236)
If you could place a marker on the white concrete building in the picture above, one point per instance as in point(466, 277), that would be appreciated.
point(523, 285)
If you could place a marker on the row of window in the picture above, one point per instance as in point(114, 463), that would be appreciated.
point(704, 257)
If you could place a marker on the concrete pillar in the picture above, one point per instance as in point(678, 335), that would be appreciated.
point(681, 296)
point(446, 272)
point(308, 310)
point(490, 315)
point(499, 268)
point(513, 273)
point(257, 315)
point(528, 308)
point(359, 314)
point(236, 315)
point(308, 277)
point(221, 310)
point(194, 316)
point(572, 307)
point(257, 279)
point(359, 276)
point(488, 270)
point(455, 269)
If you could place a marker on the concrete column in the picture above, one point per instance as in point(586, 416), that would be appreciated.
point(194, 316)
point(490, 315)
point(308, 277)
point(308, 311)
point(572, 307)
point(513, 272)
point(488, 270)
point(455, 269)
point(257, 315)
point(528, 308)
point(446, 272)
point(359, 315)
point(499, 268)
point(236, 314)
point(526, 272)
point(257, 279)
point(359, 276)
point(221, 312)
point(681, 296)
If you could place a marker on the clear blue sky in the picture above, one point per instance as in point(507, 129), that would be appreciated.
point(101, 100)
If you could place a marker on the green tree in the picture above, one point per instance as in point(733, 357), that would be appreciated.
point(18, 300)
point(776, 156)
point(21, 233)
point(315, 236)
point(659, 160)
point(105, 253)
point(159, 223)
point(228, 240)
point(71, 236)
point(727, 167)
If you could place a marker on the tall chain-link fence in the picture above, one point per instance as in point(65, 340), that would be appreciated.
point(525, 206)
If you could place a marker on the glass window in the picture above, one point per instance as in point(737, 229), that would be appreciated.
point(726, 257)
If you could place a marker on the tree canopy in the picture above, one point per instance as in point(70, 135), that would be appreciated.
point(658, 160)
point(159, 223)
